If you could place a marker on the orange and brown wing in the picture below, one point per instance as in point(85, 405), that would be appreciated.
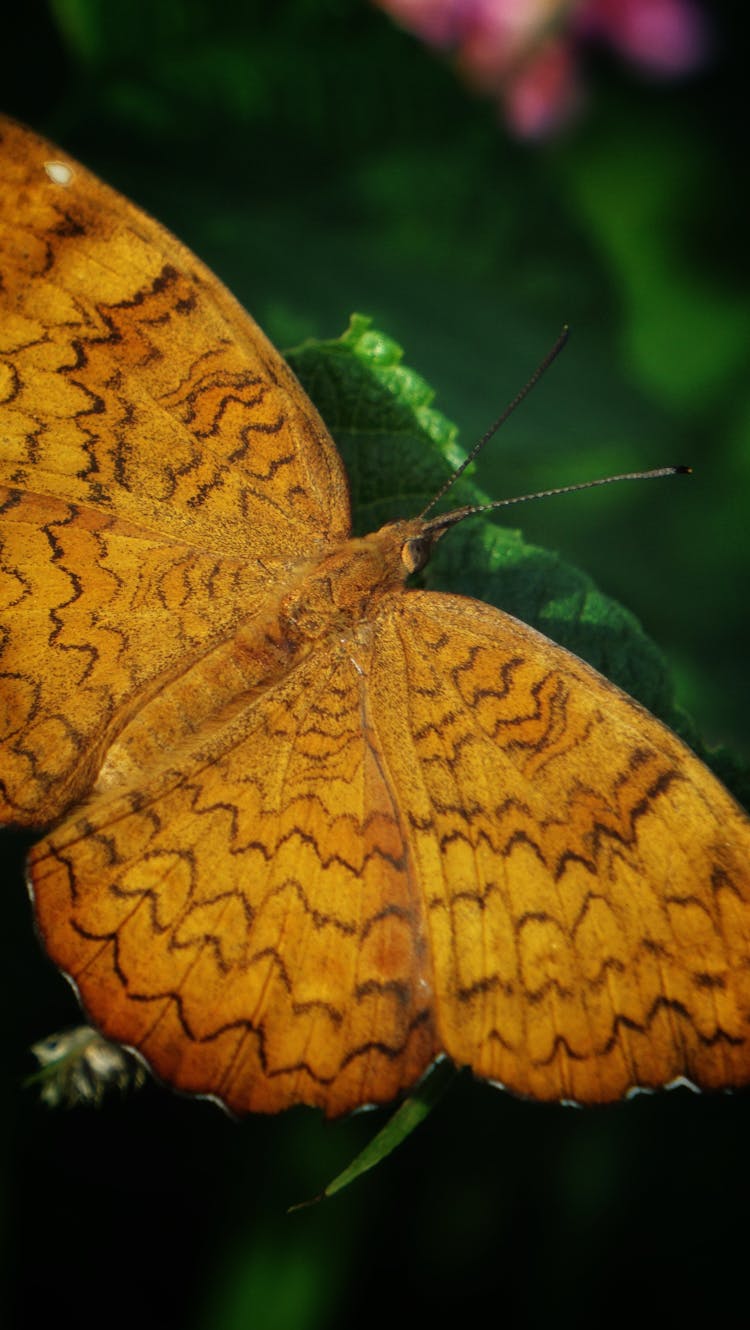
point(248, 921)
point(98, 618)
point(585, 879)
point(134, 383)
point(160, 467)
point(465, 840)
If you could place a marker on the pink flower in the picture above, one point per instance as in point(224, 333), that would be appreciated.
point(525, 52)
point(544, 93)
point(666, 36)
point(439, 22)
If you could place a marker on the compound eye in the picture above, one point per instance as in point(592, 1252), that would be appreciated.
point(415, 553)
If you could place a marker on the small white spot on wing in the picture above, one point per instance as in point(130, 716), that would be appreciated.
point(59, 172)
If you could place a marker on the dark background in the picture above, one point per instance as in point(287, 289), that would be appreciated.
point(322, 161)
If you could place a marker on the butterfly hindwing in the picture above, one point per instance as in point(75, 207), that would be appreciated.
point(459, 838)
point(584, 877)
point(248, 921)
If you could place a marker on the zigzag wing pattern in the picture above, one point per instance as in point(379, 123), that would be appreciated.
point(585, 877)
point(160, 470)
point(250, 921)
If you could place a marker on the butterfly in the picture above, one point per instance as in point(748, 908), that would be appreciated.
point(310, 827)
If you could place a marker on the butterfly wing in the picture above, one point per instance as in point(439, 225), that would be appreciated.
point(160, 468)
point(247, 918)
point(448, 835)
point(585, 879)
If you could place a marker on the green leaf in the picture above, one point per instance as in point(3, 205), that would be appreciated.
point(398, 450)
point(396, 447)
point(407, 1117)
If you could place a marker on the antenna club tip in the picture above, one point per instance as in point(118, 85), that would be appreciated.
point(683, 471)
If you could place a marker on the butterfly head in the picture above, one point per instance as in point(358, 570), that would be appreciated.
point(416, 550)
point(418, 538)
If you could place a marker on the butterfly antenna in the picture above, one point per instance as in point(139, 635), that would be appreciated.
point(494, 427)
point(445, 520)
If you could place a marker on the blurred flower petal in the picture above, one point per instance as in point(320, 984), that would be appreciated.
point(525, 52)
point(439, 22)
point(545, 94)
point(666, 36)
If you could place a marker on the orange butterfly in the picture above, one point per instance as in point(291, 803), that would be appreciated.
point(310, 828)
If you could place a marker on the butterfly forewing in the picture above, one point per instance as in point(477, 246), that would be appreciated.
point(160, 469)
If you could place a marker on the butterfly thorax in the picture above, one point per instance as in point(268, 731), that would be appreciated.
point(333, 597)
point(342, 589)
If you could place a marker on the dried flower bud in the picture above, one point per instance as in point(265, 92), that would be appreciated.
point(79, 1066)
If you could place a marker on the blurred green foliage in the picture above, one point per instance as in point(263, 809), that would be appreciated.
point(321, 161)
